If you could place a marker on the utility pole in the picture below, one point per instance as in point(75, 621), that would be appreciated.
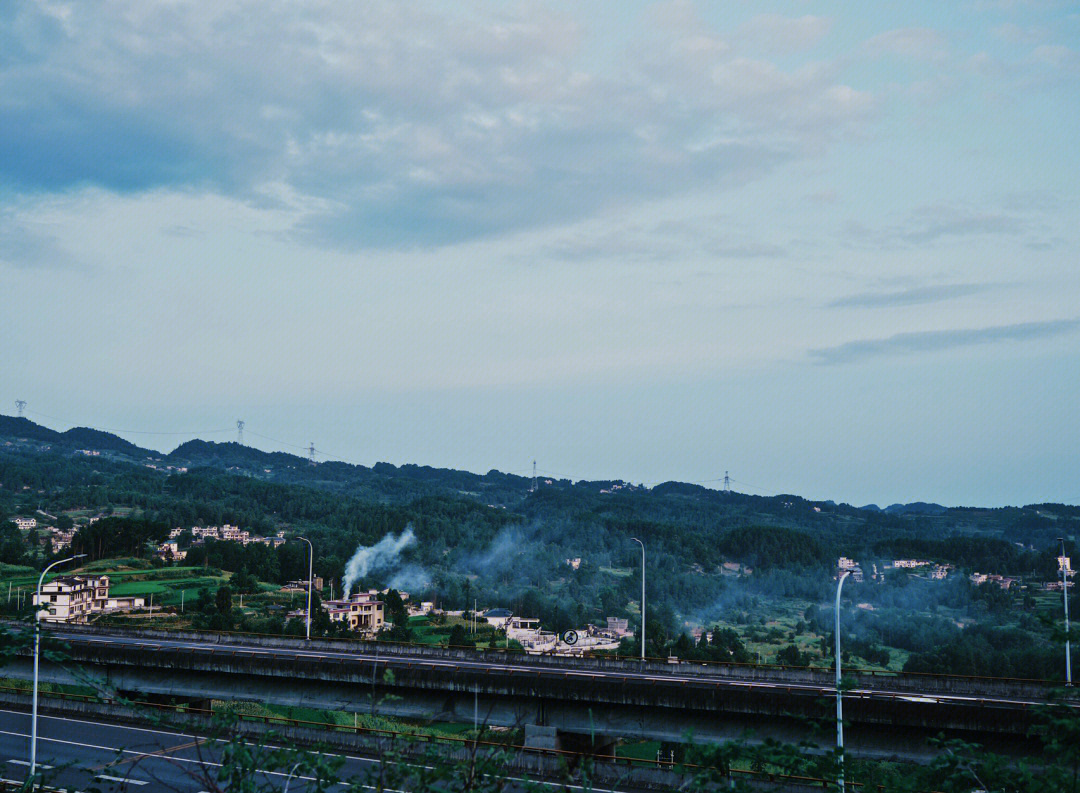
point(37, 656)
point(639, 542)
point(1065, 595)
point(310, 579)
point(839, 699)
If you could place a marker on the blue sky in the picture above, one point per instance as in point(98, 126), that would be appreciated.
point(830, 247)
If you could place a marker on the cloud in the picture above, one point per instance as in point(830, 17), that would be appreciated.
point(665, 241)
point(924, 44)
point(908, 297)
point(937, 340)
point(931, 224)
point(26, 244)
point(406, 124)
point(779, 33)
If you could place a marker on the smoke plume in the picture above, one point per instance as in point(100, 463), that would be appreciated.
point(381, 556)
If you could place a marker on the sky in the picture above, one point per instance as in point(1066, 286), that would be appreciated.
point(830, 247)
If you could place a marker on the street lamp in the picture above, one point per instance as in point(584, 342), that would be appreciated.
point(839, 700)
point(310, 580)
point(639, 542)
point(37, 655)
point(1065, 595)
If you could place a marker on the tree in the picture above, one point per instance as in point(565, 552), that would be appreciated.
point(791, 656)
point(223, 600)
point(244, 582)
point(457, 636)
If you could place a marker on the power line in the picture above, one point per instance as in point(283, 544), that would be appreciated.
point(126, 432)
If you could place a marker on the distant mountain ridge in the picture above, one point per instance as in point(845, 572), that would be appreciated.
point(385, 479)
point(382, 480)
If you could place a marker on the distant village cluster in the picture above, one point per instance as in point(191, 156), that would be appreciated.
point(939, 572)
point(58, 539)
point(365, 613)
point(170, 550)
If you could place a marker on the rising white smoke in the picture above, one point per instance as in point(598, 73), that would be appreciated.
point(381, 556)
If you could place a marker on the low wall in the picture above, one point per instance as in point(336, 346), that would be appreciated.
point(871, 680)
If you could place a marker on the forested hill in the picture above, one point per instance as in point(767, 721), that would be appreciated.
point(382, 481)
point(492, 537)
point(674, 503)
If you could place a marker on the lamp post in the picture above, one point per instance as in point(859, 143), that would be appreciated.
point(1065, 595)
point(37, 656)
point(839, 699)
point(639, 542)
point(310, 580)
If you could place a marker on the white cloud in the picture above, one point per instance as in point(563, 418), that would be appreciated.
point(783, 34)
point(406, 123)
point(919, 43)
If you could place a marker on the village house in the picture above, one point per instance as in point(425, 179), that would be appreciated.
point(498, 617)
point(363, 611)
point(25, 524)
point(76, 598)
point(170, 551)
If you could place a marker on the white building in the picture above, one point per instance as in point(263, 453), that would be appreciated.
point(170, 551)
point(26, 523)
point(363, 611)
point(75, 598)
point(498, 617)
point(1065, 564)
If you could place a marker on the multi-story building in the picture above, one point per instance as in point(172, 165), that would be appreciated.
point(26, 523)
point(75, 598)
point(363, 611)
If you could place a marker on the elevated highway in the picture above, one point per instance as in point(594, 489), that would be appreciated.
point(888, 715)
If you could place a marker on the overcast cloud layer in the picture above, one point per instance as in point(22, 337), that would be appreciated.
point(622, 239)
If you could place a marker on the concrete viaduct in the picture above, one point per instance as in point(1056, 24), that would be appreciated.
point(886, 715)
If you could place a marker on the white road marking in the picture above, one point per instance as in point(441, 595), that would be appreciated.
point(27, 763)
point(108, 778)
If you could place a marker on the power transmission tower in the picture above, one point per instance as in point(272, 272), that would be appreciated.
point(727, 482)
point(311, 452)
point(534, 478)
point(20, 405)
point(240, 431)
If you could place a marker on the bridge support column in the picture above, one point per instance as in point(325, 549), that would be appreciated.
point(538, 736)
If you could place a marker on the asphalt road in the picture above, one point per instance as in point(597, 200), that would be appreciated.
point(678, 673)
point(76, 754)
